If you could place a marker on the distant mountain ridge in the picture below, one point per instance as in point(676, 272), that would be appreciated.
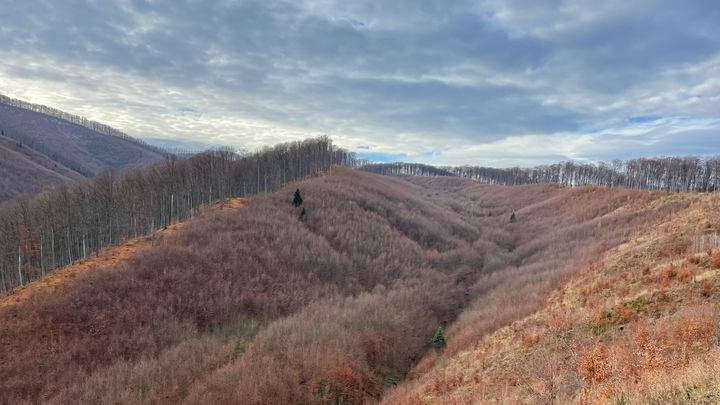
point(42, 146)
point(76, 119)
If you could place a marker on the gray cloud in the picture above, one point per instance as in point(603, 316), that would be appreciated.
point(429, 79)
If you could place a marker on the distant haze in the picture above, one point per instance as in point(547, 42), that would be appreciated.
point(490, 82)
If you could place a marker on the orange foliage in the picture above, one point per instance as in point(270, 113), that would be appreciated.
point(715, 260)
point(693, 259)
point(706, 288)
point(339, 384)
point(667, 274)
point(684, 274)
point(595, 366)
point(649, 350)
point(530, 339)
point(624, 315)
point(694, 331)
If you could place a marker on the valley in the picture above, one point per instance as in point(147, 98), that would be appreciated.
point(261, 305)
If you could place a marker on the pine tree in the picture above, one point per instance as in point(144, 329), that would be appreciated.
point(297, 198)
point(438, 340)
point(512, 217)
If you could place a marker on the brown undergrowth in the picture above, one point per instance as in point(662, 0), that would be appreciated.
point(638, 325)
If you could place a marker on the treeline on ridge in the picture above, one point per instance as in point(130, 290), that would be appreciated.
point(76, 119)
point(76, 220)
point(673, 174)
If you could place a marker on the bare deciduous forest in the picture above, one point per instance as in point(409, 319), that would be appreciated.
point(673, 174)
point(77, 219)
point(261, 305)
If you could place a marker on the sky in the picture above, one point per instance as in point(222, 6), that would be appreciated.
point(488, 82)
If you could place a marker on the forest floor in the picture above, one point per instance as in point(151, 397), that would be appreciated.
point(109, 258)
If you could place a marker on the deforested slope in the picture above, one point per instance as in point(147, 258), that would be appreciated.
point(264, 305)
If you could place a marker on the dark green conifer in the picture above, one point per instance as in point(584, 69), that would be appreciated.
point(438, 340)
point(297, 199)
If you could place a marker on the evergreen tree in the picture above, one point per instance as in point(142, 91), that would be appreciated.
point(512, 217)
point(302, 214)
point(438, 340)
point(297, 198)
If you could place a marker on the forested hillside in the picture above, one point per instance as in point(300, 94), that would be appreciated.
point(333, 300)
point(78, 219)
point(674, 174)
point(25, 170)
point(638, 325)
point(75, 146)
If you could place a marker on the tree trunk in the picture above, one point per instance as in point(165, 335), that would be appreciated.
point(20, 267)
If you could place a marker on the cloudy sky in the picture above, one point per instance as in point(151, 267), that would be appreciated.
point(489, 82)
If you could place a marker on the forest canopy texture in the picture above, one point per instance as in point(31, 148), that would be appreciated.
point(257, 305)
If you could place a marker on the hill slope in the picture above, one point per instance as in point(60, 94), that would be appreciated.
point(639, 325)
point(258, 305)
point(74, 149)
point(25, 170)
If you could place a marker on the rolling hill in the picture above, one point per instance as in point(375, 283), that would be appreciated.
point(638, 325)
point(257, 304)
point(41, 146)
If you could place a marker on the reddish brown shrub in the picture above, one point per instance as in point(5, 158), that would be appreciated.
point(706, 288)
point(650, 350)
point(667, 275)
point(594, 366)
point(339, 384)
point(715, 261)
point(694, 331)
point(684, 274)
point(624, 314)
point(530, 339)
